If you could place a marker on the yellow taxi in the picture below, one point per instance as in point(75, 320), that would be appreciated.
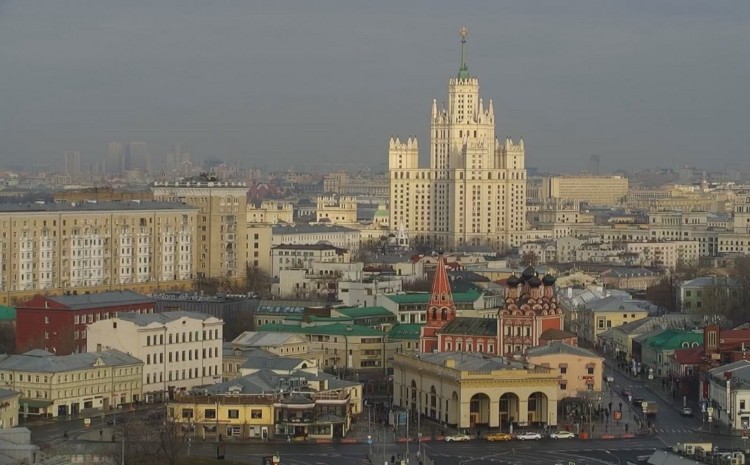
point(498, 437)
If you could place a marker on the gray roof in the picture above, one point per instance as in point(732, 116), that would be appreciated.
point(102, 299)
point(318, 246)
point(263, 338)
point(471, 361)
point(8, 393)
point(287, 307)
point(471, 326)
point(627, 272)
point(266, 381)
point(620, 304)
point(145, 319)
point(558, 347)
point(93, 206)
point(661, 457)
point(669, 320)
point(710, 281)
point(46, 362)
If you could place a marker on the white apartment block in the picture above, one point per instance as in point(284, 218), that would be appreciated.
point(59, 385)
point(74, 246)
point(302, 256)
point(474, 191)
point(336, 235)
point(318, 281)
point(667, 254)
point(180, 350)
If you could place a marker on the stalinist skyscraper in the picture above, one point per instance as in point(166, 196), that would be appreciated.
point(474, 191)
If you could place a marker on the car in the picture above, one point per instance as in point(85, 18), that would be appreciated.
point(686, 412)
point(562, 435)
point(529, 436)
point(498, 437)
point(458, 438)
point(627, 393)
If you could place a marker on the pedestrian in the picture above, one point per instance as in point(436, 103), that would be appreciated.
point(627, 427)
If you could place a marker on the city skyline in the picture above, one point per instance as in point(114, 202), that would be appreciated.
point(292, 85)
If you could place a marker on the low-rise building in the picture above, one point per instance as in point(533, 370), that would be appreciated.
point(60, 385)
point(9, 403)
point(726, 389)
point(58, 323)
point(580, 370)
point(710, 294)
point(467, 390)
point(656, 350)
point(179, 350)
point(302, 256)
point(599, 315)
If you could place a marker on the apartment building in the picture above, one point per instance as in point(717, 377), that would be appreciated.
point(291, 256)
point(593, 190)
point(221, 221)
point(9, 403)
point(580, 370)
point(92, 245)
point(180, 350)
point(336, 235)
point(59, 324)
point(59, 385)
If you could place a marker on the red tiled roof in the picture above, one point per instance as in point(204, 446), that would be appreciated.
point(691, 356)
point(441, 288)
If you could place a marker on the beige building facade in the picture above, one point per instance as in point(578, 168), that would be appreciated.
point(474, 191)
point(54, 248)
point(9, 403)
point(221, 221)
point(580, 370)
point(336, 209)
point(180, 350)
point(593, 190)
point(469, 389)
point(52, 385)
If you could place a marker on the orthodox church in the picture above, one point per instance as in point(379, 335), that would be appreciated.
point(529, 317)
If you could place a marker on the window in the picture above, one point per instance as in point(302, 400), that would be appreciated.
point(590, 370)
point(563, 370)
point(256, 414)
point(234, 414)
point(187, 413)
point(210, 413)
point(563, 386)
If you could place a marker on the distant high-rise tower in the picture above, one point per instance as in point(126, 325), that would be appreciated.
point(72, 163)
point(595, 164)
point(474, 191)
point(178, 160)
point(137, 157)
point(115, 158)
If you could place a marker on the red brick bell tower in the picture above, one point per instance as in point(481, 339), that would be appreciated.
point(440, 309)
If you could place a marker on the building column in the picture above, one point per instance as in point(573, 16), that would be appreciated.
point(494, 413)
point(523, 411)
point(551, 411)
point(464, 419)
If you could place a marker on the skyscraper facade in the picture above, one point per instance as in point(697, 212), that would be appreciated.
point(72, 163)
point(474, 192)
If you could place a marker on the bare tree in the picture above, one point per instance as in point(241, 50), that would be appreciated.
point(529, 258)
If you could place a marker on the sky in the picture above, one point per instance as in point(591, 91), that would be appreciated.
point(322, 85)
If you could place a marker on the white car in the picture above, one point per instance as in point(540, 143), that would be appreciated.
point(458, 438)
point(562, 435)
point(529, 436)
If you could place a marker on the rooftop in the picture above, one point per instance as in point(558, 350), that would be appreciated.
point(361, 312)
point(145, 319)
point(422, 298)
point(318, 246)
point(304, 228)
point(264, 339)
point(93, 206)
point(472, 326)
point(41, 361)
point(7, 313)
point(408, 331)
point(471, 361)
point(337, 329)
point(102, 299)
point(558, 347)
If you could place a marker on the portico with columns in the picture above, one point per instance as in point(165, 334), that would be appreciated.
point(468, 390)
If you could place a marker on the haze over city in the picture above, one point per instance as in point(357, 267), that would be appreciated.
point(304, 85)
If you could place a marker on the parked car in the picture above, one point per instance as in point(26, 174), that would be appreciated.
point(627, 393)
point(562, 435)
point(498, 437)
point(686, 412)
point(458, 438)
point(529, 436)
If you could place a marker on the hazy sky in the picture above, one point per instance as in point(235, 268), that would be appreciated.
point(314, 84)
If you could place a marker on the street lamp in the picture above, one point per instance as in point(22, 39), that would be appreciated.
point(613, 455)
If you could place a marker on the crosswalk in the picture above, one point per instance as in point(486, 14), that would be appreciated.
point(674, 430)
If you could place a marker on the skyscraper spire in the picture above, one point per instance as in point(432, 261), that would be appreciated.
point(463, 71)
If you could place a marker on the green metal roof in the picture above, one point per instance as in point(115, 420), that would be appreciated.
point(673, 339)
point(336, 329)
point(424, 297)
point(359, 312)
point(7, 313)
point(408, 331)
point(317, 318)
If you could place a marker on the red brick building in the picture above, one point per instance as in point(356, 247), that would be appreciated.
point(529, 318)
point(58, 323)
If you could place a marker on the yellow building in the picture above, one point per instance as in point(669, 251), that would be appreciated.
point(222, 221)
point(246, 416)
point(270, 212)
point(336, 209)
point(466, 389)
point(95, 246)
point(610, 312)
point(593, 190)
point(9, 402)
point(580, 370)
point(258, 248)
point(52, 385)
